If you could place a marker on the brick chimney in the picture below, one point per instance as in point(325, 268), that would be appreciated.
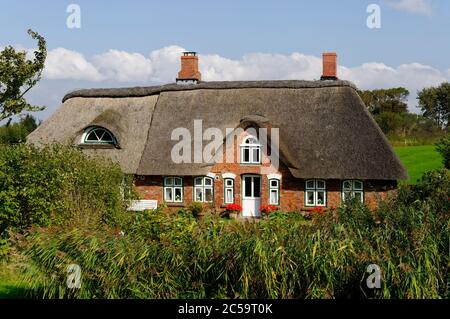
point(329, 65)
point(189, 73)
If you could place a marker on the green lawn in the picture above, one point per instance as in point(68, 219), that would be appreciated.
point(418, 159)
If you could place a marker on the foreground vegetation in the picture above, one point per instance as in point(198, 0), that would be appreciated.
point(159, 254)
point(12, 283)
point(162, 255)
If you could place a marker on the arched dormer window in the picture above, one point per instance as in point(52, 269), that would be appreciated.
point(98, 135)
point(250, 150)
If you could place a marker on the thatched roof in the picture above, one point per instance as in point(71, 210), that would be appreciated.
point(325, 129)
point(216, 85)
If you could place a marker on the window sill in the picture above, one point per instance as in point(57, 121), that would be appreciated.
point(98, 146)
point(175, 204)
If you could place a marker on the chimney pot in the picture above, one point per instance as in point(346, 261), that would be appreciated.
point(329, 65)
point(189, 73)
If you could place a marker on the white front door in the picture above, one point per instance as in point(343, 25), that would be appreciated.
point(251, 195)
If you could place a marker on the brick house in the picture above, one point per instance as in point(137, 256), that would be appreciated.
point(293, 144)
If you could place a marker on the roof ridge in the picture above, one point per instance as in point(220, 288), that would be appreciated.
point(141, 91)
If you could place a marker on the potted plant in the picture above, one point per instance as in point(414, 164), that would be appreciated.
point(196, 209)
point(233, 210)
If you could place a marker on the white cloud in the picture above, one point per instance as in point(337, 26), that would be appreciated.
point(412, 6)
point(377, 75)
point(122, 66)
point(63, 64)
point(166, 63)
point(161, 66)
point(261, 66)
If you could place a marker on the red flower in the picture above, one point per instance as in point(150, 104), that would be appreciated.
point(266, 209)
point(234, 208)
point(319, 210)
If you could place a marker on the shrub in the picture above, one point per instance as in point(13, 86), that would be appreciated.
point(443, 147)
point(17, 132)
point(433, 187)
point(4, 248)
point(278, 216)
point(55, 184)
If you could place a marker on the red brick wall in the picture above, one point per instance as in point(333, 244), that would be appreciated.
point(292, 195)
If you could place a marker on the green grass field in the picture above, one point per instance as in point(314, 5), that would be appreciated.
point(418, 159)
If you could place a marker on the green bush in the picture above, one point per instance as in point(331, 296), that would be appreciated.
point(17, 132)
point(4, 248)
point(443, 147)
point(433, 188)
point(57, 184)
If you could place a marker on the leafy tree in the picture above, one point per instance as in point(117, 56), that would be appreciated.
point(443, 147)
point(391, 100)
point(406, 125)
point(17, 132)
point(435, 103)
point(395, 123)
point(18, 75)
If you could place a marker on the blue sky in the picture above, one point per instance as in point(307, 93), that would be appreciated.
point(235, 40)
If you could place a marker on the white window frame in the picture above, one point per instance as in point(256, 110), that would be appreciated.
point(94, 130)
point(274, 189)
point(251, 148)
point(353, 189)
point(316, 189)
point(203, 187)
point(228, 185)
point(172, 183)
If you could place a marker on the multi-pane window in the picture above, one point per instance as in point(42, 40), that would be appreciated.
point(203, 189)
point(315, 193)
point(98, 135)
point(352, 189)
point(250, 151)
point(274, 192)
point(228, 190)
point(173, 189)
